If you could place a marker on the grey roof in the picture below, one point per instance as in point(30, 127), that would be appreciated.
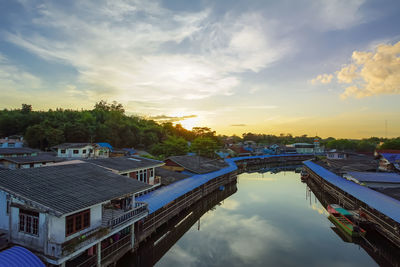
point(197, 164)
point(67, 188)
point(168, 176)
point(33, 159)
point(73, 145)
point(123, 164)
point(382, 177)
point(18, 150)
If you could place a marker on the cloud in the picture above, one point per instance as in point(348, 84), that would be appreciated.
point(165, 118)
point(141, 51)
point(322, 78)
point(337, 14)
point(372, 73)
point(13, 78)
point(238, 125)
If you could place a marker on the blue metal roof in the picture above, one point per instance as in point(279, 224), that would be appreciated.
point(106, 145)
point(383, 203)
point(19, 256)
point(161, 197)
point(391, 157)
point(382, 177)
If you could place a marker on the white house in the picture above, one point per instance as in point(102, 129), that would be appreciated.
point(71, 214)
point(139, 168)
point(81, 150)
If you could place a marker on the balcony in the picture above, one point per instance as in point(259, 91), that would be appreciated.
point(113, 217)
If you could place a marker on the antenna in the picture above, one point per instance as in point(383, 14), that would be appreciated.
point(386, 130)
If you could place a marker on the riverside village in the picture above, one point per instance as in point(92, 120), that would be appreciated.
point(91, 204)
point(178, 133)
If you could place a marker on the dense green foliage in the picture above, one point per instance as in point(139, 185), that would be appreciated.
point(106, 122)
point(204, 146)
point(391, 144)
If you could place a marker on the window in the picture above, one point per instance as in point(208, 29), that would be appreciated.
point(151, 172)
point(11, 144)
point(29, 222)
point(77, 222)
point(76, 151)
point(62, 151)
point(145, 176)
point(84, 151)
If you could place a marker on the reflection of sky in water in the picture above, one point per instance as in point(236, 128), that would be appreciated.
point(268, 222)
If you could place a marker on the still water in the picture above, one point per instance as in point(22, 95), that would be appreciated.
point(267, 222)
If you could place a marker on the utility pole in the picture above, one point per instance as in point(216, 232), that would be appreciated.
point(386, 131)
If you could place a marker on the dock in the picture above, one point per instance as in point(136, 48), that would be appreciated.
point(380, 209)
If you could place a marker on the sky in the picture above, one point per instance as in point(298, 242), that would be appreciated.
point(315, 67)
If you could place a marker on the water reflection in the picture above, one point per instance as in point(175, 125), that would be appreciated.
point(272, 220)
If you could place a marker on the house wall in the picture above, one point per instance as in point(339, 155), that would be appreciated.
point(69, 152)
point(4, 218)
point(57, 225)
point(27, 240)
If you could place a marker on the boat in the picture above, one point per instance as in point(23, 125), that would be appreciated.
point(304, 175)
point(341, 218)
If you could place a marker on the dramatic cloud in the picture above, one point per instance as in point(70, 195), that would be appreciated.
point(322, 78)
point(140, 51)
point(238, 125)
point(372, 73)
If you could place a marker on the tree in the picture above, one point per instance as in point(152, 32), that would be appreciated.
point(391, 144)
point(204, 146)
point(26, 108)
point(172, 146)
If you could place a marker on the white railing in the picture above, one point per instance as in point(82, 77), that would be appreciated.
point(139, 210)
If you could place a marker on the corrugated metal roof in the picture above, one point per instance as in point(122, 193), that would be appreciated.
point(67, 188)
point(161, 197)
point(381, 177)
point(385, 204)
point(19, 256)
point(391, 157)
point(122, 164)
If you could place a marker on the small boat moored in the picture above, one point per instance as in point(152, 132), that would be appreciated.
point(341, 218)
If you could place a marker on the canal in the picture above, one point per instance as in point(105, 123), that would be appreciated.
point(266, 219)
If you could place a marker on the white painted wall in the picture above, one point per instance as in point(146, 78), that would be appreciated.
point(4, 218)
point(57, 225)
point(69, 153)
point(35, 242)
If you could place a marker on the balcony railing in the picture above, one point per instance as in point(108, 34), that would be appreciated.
point(115, 217)
point(115, 247)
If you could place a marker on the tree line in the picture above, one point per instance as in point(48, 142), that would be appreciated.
point(106, 122)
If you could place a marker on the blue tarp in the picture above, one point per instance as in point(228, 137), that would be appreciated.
point(384, 204)
point(19, 256)
point(381, 177)
point(106, 145)
point(161, 197)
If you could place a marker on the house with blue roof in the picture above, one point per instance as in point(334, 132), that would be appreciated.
point(389, 159)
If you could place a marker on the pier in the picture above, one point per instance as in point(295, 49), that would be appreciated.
point(382, 210)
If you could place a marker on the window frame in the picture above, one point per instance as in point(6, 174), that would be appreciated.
point(77, 222)
point(28, 222)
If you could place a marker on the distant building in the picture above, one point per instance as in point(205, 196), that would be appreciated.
point(12, 142)
point(389, 159)
point(142, 169)
point(336, 155)
point(70, 214)
point(28, 161)
point(18, 152)
point(81, 150)
point(193, 164)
